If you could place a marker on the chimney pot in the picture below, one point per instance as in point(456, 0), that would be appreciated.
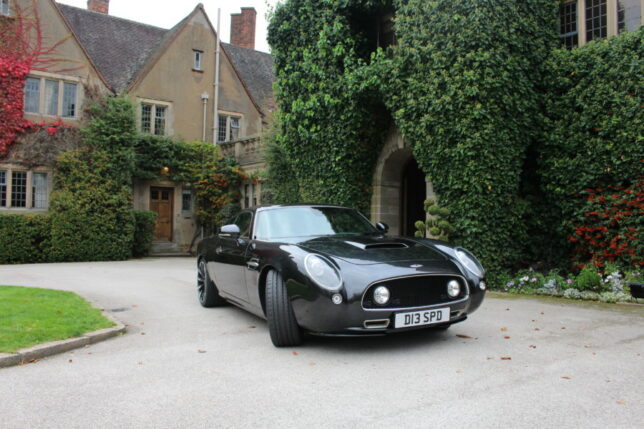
point(242, 28)
point(100, 6)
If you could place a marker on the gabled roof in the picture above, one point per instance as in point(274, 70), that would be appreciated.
point(119, 47)
point(255, 69)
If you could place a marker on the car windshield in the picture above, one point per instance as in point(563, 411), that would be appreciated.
point(288, 222)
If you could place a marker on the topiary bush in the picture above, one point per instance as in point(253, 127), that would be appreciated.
point(144, 222)
point(25, 238)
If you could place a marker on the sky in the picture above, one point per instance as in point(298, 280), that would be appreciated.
point(167, 13)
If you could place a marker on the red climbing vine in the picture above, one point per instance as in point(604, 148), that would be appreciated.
point(22, 48)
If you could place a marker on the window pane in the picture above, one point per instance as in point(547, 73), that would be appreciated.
point(19, 189)
point(3, 188)
point(197, 60)
point(246, 196)
point(186, 200)
point(234, 128)
point(568, 24)
point(39, 191)
point(596, 27)
point(69, 100)
point(51, 97)
point(254, 194)
point(32, 95)
point(629, 15)
point(222, 128)
point(4, 7)
point(159, 120)
point(146, 118)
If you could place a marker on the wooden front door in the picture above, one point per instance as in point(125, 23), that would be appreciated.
point(161, 203)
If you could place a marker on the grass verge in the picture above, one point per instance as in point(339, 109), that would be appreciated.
point(30, 316)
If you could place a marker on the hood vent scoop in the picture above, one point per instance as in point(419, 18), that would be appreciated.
point(390, 245)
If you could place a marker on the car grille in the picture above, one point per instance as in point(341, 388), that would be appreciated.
point(415, 291)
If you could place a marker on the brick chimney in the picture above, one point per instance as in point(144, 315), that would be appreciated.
point(100, 6)
point(242, 28)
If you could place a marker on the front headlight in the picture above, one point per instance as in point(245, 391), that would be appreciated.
point(470, 262)
point(322, 272)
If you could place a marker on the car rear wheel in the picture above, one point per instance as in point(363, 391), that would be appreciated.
point(281, 321)
point(207, 291)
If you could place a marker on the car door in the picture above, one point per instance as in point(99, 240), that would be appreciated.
point(230, 259)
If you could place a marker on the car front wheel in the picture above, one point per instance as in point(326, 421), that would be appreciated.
point(206, 289)
point(282, 325)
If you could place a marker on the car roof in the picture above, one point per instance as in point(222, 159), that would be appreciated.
point(277, 206)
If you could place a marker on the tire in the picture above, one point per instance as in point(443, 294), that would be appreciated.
point(281, 321)
point(206, 289)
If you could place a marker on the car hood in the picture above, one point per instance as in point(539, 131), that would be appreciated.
point(365, 249)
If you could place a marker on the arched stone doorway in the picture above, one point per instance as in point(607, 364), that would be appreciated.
point(399, 187)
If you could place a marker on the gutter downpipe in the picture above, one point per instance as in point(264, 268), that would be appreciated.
point(215, 127)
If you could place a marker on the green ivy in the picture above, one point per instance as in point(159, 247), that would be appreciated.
point(463, 85)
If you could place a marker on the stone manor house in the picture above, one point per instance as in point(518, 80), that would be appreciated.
point(170, 76)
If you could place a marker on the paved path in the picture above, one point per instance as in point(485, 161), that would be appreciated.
point(182, 366)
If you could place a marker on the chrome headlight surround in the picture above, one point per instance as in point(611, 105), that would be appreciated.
point(470, 262)
point(322, 272)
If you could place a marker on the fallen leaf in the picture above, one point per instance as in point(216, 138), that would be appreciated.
point(489, 358)
point(534, 320)
point(201, 351)
point(537, 329)
point(70, 361)
point(504, 329)
point(566, 377)
point(541, 312)
point(620, 402)
point(563, 327)
point(311, 363)
point(463, 336)
point(142, 323)
point(34, 360)
point(459, 371)
point(140, 362)
point(506, 358)
point(587, 346)
point(507, 337)
point(134, 305)
point(252, 327)
point(532, 346)
point(507, 309)
point(294, 353)
point(142, 333)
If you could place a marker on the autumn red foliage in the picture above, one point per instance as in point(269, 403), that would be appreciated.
point(610, 227)
point(22, 48)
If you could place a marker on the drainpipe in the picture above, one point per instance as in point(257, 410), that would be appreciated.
point(217, 54)
point(204, 99)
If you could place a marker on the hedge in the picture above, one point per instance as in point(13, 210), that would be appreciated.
point(25, 238)
point(144, 221)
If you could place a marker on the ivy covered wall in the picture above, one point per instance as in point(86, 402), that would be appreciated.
point(478, 89)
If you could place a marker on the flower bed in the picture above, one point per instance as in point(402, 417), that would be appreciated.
point(589, 284)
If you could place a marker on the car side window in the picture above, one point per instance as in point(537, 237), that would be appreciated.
point(243, 221)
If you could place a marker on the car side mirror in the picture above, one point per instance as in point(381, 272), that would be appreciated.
point(229, 231)
point(382, 227)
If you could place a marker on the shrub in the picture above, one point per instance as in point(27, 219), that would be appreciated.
point(24, 238)
point(572, 293)
point(144, 221)
point(588, 280)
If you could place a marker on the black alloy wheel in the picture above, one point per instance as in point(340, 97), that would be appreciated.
point(208, 293)
point(282, 325)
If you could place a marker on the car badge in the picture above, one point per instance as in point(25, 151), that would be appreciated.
point(415, 266)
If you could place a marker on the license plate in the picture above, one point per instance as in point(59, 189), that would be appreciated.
point(422, 317)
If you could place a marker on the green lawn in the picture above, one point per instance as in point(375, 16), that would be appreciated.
point(30, 316)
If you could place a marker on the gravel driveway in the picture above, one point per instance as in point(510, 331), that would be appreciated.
point(515, 363)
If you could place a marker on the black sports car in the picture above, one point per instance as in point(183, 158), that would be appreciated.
point(328, 271)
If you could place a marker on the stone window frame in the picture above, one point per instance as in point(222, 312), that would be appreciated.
point(251, 194)
point(64, 82)
point(229, 117)
point(9, 169)
point(154, 105)
point(612, 26)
